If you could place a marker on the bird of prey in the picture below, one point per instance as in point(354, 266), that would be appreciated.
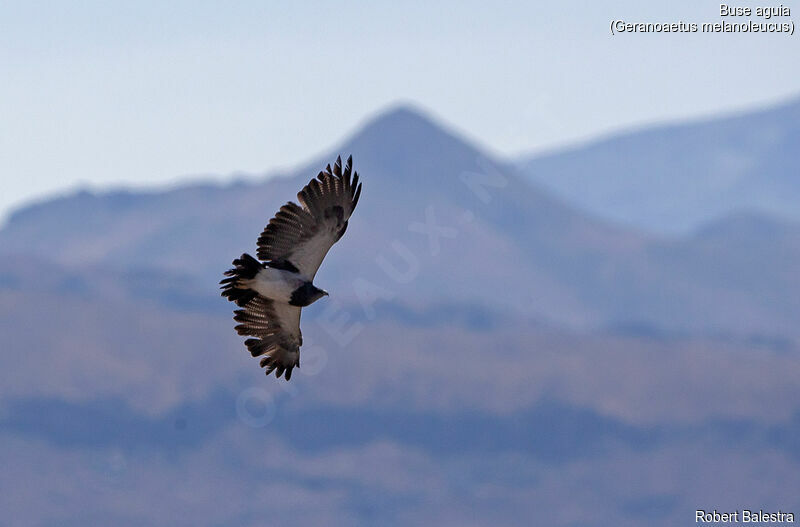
point(272, 292)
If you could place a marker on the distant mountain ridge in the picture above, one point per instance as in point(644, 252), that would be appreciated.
point(440, 222)
point(671, 179)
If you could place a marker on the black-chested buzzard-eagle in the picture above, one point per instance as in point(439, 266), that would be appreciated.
point(273, 291)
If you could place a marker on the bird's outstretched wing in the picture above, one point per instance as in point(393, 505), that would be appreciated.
point(276, 330)
point(298, 238)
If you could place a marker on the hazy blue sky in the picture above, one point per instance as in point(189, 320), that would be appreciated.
point(99, 93)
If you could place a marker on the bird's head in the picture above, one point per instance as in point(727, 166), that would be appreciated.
point(306, 294)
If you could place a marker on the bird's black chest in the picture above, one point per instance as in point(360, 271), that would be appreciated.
point(304, 295)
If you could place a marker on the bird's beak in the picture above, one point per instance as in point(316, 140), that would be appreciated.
point(324, 293)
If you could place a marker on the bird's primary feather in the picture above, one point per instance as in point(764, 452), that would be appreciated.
point(303, 235)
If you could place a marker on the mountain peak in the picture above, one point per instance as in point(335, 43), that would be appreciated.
point(400, 123)
point(405, 135)
point(401, 114)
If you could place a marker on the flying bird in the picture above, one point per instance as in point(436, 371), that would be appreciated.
point(273, 291)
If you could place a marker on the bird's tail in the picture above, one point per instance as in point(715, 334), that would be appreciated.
point(245, 268)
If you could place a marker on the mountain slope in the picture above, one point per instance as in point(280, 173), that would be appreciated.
point(439, 223)
point(671, 179)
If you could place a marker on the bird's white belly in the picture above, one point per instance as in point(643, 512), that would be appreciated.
point(276, 284)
